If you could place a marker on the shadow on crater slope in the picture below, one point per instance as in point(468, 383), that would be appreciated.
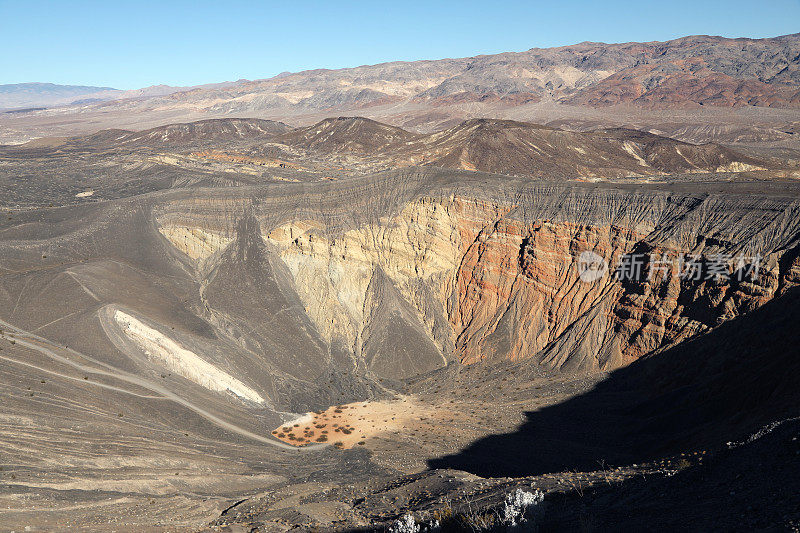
point(717, 387)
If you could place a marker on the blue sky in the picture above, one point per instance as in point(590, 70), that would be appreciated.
point(139, 43)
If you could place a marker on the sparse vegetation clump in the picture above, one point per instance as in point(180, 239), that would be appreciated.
point(405, 524)
point(521, 511)
point(522, 506)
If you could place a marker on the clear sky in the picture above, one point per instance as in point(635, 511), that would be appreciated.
point(134, 44)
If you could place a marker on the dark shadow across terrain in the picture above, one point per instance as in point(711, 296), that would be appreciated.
point(714, 388)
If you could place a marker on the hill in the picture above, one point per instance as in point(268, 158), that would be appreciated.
point(355, 135)
point(517, 148)
point(216, 130)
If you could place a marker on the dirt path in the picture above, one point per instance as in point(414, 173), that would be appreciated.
point(46, 347)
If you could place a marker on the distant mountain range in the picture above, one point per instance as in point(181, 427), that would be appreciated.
point(690, 72)
point(26, 95)
point(592, 85)
point(39, 95)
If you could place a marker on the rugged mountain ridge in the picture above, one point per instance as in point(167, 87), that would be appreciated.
point(508, 147)
point(689, 82)
point(720, 71)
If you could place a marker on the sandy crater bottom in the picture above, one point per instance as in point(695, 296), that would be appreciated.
point(348, 425)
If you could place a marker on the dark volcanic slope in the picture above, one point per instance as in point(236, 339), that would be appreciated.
point(213, 130)
point(354, 135)
point(226, 152)
point(517, 148)
point(508, 147)
point(181, 136)
point(113, 163)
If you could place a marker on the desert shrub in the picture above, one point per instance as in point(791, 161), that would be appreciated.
point(521, 511)
point(521, 507)
point(405, 524)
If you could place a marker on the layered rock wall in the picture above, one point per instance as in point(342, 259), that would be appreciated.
point(495, 274)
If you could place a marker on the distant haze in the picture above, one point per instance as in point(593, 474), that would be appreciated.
point(19, 95)
point(34, 95)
